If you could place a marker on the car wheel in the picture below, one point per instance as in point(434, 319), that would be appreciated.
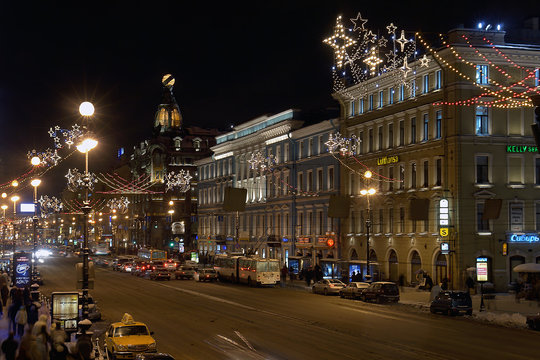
point(469, 312)
point(432, 310)
point(450, 312)
point(325, 292)
point(341, 295)
point(378, 300)
point(313, 290)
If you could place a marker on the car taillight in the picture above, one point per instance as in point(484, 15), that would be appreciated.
point(154, 268)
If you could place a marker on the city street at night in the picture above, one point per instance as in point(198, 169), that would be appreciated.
point(193, 320)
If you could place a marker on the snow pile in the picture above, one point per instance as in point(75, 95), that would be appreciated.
point(504, 319)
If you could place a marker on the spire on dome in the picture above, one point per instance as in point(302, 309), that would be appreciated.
point(168, 117)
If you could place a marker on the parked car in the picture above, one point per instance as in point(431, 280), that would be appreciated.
point(353, 290)
point(160, 274)
point(327, 287)
point(150, 356)
point(452, 303)
point(185, 272)
point(205, 275)
point(381, 291)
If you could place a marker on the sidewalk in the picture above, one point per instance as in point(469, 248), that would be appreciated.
point(503, 309)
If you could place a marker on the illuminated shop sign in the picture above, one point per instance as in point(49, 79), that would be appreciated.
point(443, 214)
point(481, 269)
point(520, 148)
point(523, 238)
point(388, 160)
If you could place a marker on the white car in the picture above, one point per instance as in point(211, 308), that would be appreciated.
point(327, 287)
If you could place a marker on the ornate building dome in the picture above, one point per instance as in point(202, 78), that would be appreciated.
point(168, 117)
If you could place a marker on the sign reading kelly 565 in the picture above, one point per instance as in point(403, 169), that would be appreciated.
point(521, 148)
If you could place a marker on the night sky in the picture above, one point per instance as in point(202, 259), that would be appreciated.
point(232, 61)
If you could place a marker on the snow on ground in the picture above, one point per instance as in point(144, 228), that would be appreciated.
point(504, 319)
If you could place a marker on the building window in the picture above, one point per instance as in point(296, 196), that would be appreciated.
point(401, 92)
point(381, 220)
point(353, 103)
point(482, 120)
point(401, 133)
point(413, 130)
point(482, 75)
point(438, 124)
point(320, 223)
point(537, 216)
point(401, 177)
point(361, 105)
point(286, 179)
point(381, 183)
point(413, 88)
point(537, 171)
point(331, 178)
point(300, 184)
point(381, 97)
point(380, 137)
point(319, 180)
point(391, 176)
point(438, 180)
point(301, 154)
point(360, 147)
point(390, 220)
point(391, 95)
point(426, 174)
point(390, 136)
point(426, 128)
point(310, 147)
point(482, 169)
point(401, 220)
point(438, 79)
point(413, 176)
point(286, 153)
point(321, 145)
point(426, 84)
point(310, 181)
point(371, 102)
point(516, 216)
point(370, 140)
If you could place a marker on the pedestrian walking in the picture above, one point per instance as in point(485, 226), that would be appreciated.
point(284, 272)
point(33, 312)
point(84, 346)
point(429, 282)
point(9, 347)
point(27, 348)
point(444, 284)
point(12, 311)
point(401, 281)
point(58, 335)
point(21, 318)
point(4, 293)
point(42, 321)
point(58, 351)
point(42, 343)
point(470, 284)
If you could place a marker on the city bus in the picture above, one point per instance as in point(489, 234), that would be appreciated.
point(149, 255)
point(253, 271)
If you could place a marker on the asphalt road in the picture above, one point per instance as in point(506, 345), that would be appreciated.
point(207, 321)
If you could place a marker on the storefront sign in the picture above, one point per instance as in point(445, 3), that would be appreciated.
point(443, 213)
point(445, 248)
point(22, 269)
point(481, 269)
point(65, 308)
point(523, 238)
point(303, 240)
point(388, 160)
point(521, 148)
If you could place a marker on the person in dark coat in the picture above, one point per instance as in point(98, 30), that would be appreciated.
point(429, 282)
point(84, 346)
point(32, 311)
point(9, 347)
point(12, 311)
point(444, 284)
point(4, 293)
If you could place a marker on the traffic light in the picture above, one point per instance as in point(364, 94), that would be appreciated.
point(171, 244)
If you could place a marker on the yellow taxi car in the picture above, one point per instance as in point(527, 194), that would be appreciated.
point(127, 338)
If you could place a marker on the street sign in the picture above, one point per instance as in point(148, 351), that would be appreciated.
point(443, 232)
point(445, 248)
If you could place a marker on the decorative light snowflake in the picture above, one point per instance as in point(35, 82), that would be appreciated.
point(70, 136)
point(47, 158)
point(77, 180)
point(49, 205)
point(120, 204)
point(259, 162)
point(182, 181)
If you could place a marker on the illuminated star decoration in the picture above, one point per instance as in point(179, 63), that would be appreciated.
point(259, 162)
point(391, 28)
point(373, 60)
point(405, 68)
point(382, 42)
point(424, 61)
point(121, 204)
point(402, 40)
point(46, 158)
point(340, 42)
point(371, 37)
point(70, 136)
point(359, 22)
point(77, 180)
point(182, 181)
point(49, 205)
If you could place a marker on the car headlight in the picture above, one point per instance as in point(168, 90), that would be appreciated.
point(152, 345)
point(122, 347)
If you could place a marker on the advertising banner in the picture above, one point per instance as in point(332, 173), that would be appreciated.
point(481, 269)
point(65, 308)
point(23, 269)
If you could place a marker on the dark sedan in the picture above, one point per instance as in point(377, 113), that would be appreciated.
point(452, 303)
point(381, 291)
point(160, 274)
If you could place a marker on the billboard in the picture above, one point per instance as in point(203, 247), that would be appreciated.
point(65, 308)
point(23, 269)
point(481, 269)
point(27, 208)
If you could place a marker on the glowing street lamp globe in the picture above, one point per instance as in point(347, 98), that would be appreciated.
point(86, 109)
point(35, 161)
point(87, 145)
point(35, 182)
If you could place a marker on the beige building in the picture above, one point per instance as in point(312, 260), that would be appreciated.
point(422, 148)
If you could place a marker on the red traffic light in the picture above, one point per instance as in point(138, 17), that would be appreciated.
point(330, 242)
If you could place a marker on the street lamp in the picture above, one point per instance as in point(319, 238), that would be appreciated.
point(86, 109)
point(35, 183)
point(367, 193)
point(4, 207)
point(14, 198)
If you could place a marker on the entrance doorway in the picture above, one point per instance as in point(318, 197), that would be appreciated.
point(441, 268)
point(393, 266)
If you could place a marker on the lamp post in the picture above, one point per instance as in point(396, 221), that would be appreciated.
point(14, 198)
point(368, 192)
point(4, 207)
point(35, 183)
point(86, 109)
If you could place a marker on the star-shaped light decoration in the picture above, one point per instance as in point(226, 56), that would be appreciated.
point(371, 37)
point(382, 42)
point(77, 180)
point(372, 60)
point(402, 40)
point(405, 68)
point(49, 204)
point(182, 181)
point(424, 61)
point(391, 28)
point(120, 205)
point(359, 22)
point(335, 143)
point(340, 42)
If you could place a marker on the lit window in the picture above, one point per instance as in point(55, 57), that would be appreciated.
point(426, 128)
point(371, 102)
point(402, 93)
point(352, 107)
point(438, 124)
point(438, 79)
point(391, 96)
point(537, 77)
point(426, 84)
point(482, 120)
point(482, 75)
point(361, 106)
point(381, 94)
